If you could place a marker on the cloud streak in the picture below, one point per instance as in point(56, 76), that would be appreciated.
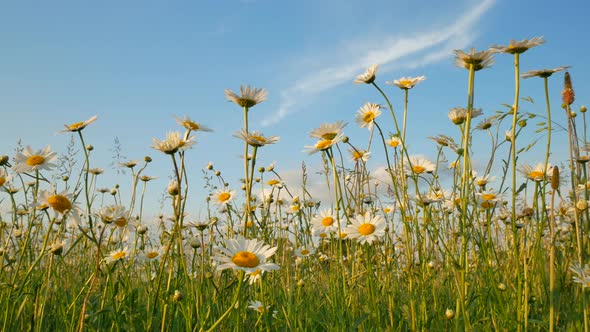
point(428, 47)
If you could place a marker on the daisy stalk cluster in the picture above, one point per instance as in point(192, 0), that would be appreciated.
point(463, 237)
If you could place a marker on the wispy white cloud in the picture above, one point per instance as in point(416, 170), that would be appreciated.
point(425, 48)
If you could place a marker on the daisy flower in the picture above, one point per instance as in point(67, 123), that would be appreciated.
point(304, 252)
point(406, 83)
point(488, 199)
point(368, 76)
point(117, 255)
point(261, 308)
point(359, 155)
point(388, 209)
point(366, 228)
point(249, 96)
point(173, 143)
point(62, 203)
point(543, 73)
point(458, 115)
point(191, 125)
point(581, 274)
point(366, 116)
point(536, 173)
point(323, 144)
point(479, 60)
point(223, 196)
point(117, 214)
point(153, 254)
point(444, 140)
point(518, 47)
point(486, 123)
point(325, 222)
point(29, 160)
point(420, 165)
point(256, 138)
point(78, 126)
point(328, 131)
point(4, 177)
point(129, 164)
point(482, 181)
point(245, 254)
point(394, 141)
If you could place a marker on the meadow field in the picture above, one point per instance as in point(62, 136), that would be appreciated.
point(431, 246)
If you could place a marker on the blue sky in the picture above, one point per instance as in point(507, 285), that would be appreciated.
point(136, 64)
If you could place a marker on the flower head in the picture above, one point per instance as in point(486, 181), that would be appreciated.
point(458, 115)
point(518, 47)
point(173, 143)
point(366, 116)
point(368, 76)
point(78, 126)
point(117, 214)
point(117, 255)
point(536, 173)
point(30, 160)
point(479, 60)
point(62, 203)
point(359, 155)
point(328, 130)
point(581, 274)
point(245, 254)
point(394, 141)
point(223, 196)
point(256, 138)
point(419, 166)
point(406, 83)
point(191, 125)
point(366, 228)
point(543, 73)
point(325, 222)
point(249, 97)
point(324, 144)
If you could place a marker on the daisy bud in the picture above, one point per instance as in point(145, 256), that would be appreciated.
point(345, 139)
point(141, 229)
point(573, 114)
point(300, 283)
point(4, 160)
point(582, 205)
point(583, 109)
point(147, 159)
point(56, 248)
point(450, 313)
point(217, 173)
point(173, 188)
point(89, 147)
point(522, 123)
point(177, 296)
point(65, 178)
point(210, 166)
point(260, 169)
point(431, 265)
point(257, 180)
point(502, 286)
point(195, 243)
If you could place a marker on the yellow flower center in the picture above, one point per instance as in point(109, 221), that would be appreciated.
point(258, 138)
point(536, 175)
point(418, 169)
point(249, 224)
point(121, 222)
point(305, 252)
point(295, 208)
point(273, 182)
point(35, 160)
point(366, 229)
point(245, 259)
point(223, 197)
point(329, 136)
point(191, 125)
point(323, 235)
point(2, 181)
point(488, 197)
point(119, 255)
point(75, 126)
point(386, 210)
point(357, 155)
point(369, 117)
point(487, 205)
point(323, 144)
point(343, 235)
point(393, 143)
point(405, 83)
point(59, 203)
point(152, 255)
point(327, 221)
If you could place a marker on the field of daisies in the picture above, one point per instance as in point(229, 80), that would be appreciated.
point(430, 247)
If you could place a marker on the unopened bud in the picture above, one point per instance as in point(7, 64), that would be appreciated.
point(450, 314)
point(89, 147)
point(147, 159)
